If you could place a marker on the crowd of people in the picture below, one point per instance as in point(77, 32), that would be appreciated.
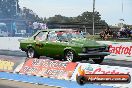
point(124, 32)
point(106, 33)
point(34, 27)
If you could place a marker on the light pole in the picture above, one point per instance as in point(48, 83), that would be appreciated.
point(122, 20)
point(16, 7)
point(93, 15)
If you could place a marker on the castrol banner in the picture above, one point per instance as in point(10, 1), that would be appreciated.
point(122, 48)
point(49, 68)
point(96, 69)
point(86, 68)
point(119, 48)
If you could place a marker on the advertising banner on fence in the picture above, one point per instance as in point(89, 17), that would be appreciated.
point(9, 63)
point(119, 50)
point(86, 68)
point(122, 48)
point(49, 68)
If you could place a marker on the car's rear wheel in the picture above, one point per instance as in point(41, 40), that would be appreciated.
point(31, 53)
point(98, 60)
point(69, 56)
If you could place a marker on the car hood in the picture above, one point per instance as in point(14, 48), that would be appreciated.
point(86, 43)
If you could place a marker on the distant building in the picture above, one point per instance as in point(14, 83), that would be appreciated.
point(85, 27)
point(14, 27)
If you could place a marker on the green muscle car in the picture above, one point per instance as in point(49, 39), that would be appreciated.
point(68, 44)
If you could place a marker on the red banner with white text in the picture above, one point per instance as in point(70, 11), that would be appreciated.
point(49, 68)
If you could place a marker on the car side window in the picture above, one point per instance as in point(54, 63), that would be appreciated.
point(41, 36)
point(62, 37)
point(52, 36)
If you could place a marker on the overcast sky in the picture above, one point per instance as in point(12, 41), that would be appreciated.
point(110, 10)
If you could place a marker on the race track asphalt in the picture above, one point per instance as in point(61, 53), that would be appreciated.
point(15, 84)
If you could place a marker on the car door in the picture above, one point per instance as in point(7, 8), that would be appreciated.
point(40, 41)
point(53, 46)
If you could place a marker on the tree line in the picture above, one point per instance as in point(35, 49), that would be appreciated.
point(85, 17)
point(11, 9)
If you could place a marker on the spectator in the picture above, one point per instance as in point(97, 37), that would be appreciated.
point(30, 29)
point(118, 34)
point(115, 34)
point(35, 26)
point(131, 34)
point(127, 31)
point(110, 33)
point(102, 34)
point(106, 34)
point(122, 30)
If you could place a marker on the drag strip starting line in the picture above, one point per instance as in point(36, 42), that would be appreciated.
point(46, 81)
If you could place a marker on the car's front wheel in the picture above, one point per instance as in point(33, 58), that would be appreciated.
point(69, 56)
point(31, 53)
point(98, 60)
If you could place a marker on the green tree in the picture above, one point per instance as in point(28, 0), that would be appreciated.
point(87, 17)
point(59, 19)
point(28, 14)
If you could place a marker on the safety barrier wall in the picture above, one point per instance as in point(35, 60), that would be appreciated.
point(10, 43)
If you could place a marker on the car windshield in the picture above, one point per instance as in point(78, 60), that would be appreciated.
point(66, 36)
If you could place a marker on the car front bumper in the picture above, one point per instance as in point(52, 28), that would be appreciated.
point(94, 54)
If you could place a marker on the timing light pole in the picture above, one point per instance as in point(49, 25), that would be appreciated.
point(93, 16)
